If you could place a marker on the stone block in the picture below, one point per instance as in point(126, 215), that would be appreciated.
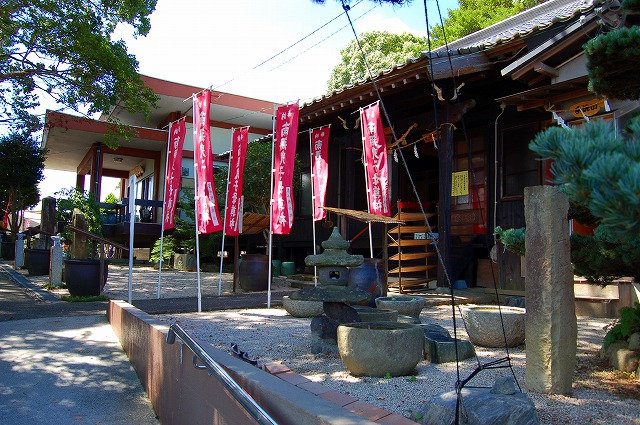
point(480, 407)
point(551, 325)
point(439, 348)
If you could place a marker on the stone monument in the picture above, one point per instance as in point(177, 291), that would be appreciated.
point(551, 327)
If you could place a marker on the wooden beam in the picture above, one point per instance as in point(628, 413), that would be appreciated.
point(544, 69)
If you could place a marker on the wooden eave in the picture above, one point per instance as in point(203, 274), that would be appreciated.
point(549, 95)
point(539, 64)
point(393, 81)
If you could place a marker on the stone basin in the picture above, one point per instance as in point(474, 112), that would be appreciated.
point(370, 314)
point(485, 328)
point(403, 304)
point(380, 348)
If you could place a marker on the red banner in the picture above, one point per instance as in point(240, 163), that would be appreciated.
point(375, 153)
point(208, 215)
point(283, 165)
point(320, 170)
point(233, 206)
point(177, 131)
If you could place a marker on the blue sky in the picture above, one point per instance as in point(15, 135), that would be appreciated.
point(222, 43)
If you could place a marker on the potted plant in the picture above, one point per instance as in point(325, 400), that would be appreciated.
point(21, 169)
point(82, 267)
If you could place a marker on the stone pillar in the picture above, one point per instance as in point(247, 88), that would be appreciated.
point(55, 269)
point(19, 258)
point(79, 243)
point(47, 222)
point(551, 328)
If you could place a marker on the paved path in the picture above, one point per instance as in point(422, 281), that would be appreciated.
point(61, 363)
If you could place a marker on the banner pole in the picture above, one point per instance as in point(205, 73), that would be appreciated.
point(366, 180)
point(195, 207)
point(269, 245)
point(313, 205)
point(226, 211)
point(132, 219)
point(164, 208)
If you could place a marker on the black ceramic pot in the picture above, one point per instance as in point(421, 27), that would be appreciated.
point(83, 277)
point(253, 273)
point(9, 250)
point(37, 261)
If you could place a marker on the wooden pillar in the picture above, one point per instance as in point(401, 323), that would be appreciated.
point(445, 156)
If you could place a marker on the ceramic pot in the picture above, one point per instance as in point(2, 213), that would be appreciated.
point(83, 277)
point(37, 261)
point(253, 273)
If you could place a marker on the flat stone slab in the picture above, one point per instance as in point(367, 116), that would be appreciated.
point(332, 293)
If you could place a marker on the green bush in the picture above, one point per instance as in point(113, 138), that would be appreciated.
point(512, 239)
point(627, 325)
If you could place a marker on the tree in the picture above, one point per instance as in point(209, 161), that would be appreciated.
point(396, 2)
point(613, 59)
point(382, 49)
point(21, 169)
point(600, 173)
point(63, 49)
point(474, 15)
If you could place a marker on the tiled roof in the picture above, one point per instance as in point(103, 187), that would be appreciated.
point(521, 25)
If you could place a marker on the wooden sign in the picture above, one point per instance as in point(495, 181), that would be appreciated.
point(589, 108)
point(460, 183)
point(466, 217)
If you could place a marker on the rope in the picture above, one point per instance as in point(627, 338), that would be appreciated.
point(495, 364)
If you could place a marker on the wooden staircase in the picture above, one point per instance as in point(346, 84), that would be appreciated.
point(411, 257)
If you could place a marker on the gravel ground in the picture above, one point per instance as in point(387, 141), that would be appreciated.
point(272, 335)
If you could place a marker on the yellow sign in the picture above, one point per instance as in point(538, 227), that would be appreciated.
point(589, 108)
point(460, 183)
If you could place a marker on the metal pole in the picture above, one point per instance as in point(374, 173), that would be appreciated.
point(313, 205)
point(273, 145)
point(366, 181)
point(164, 209)
point(226, 211)
point(132, 218)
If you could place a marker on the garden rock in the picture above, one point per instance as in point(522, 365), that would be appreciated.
point(481, 406)
point(634, 341)
point(440, 347)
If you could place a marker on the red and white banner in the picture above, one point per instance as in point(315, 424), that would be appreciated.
point(285, 140)
point(376, 165)
point(177, 131)
point(320, 170)
point(233, 206)
point(208, 216)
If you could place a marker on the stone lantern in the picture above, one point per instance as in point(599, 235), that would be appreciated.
point(333, 291)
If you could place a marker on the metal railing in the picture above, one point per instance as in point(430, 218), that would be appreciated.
point(213, 368)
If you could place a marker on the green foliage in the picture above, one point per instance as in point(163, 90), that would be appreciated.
point(73, 199)
point(598, 170)
point(84, 298)
point(382, 49)
point(512, 239)
point(65, 49)
point(168, 248)
point(600, 173)
point(602, 259)
point(111, 199)
point(474, 15)
point(257, 178)
point(21, 169)
point(612, 61)
point(627, 325)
